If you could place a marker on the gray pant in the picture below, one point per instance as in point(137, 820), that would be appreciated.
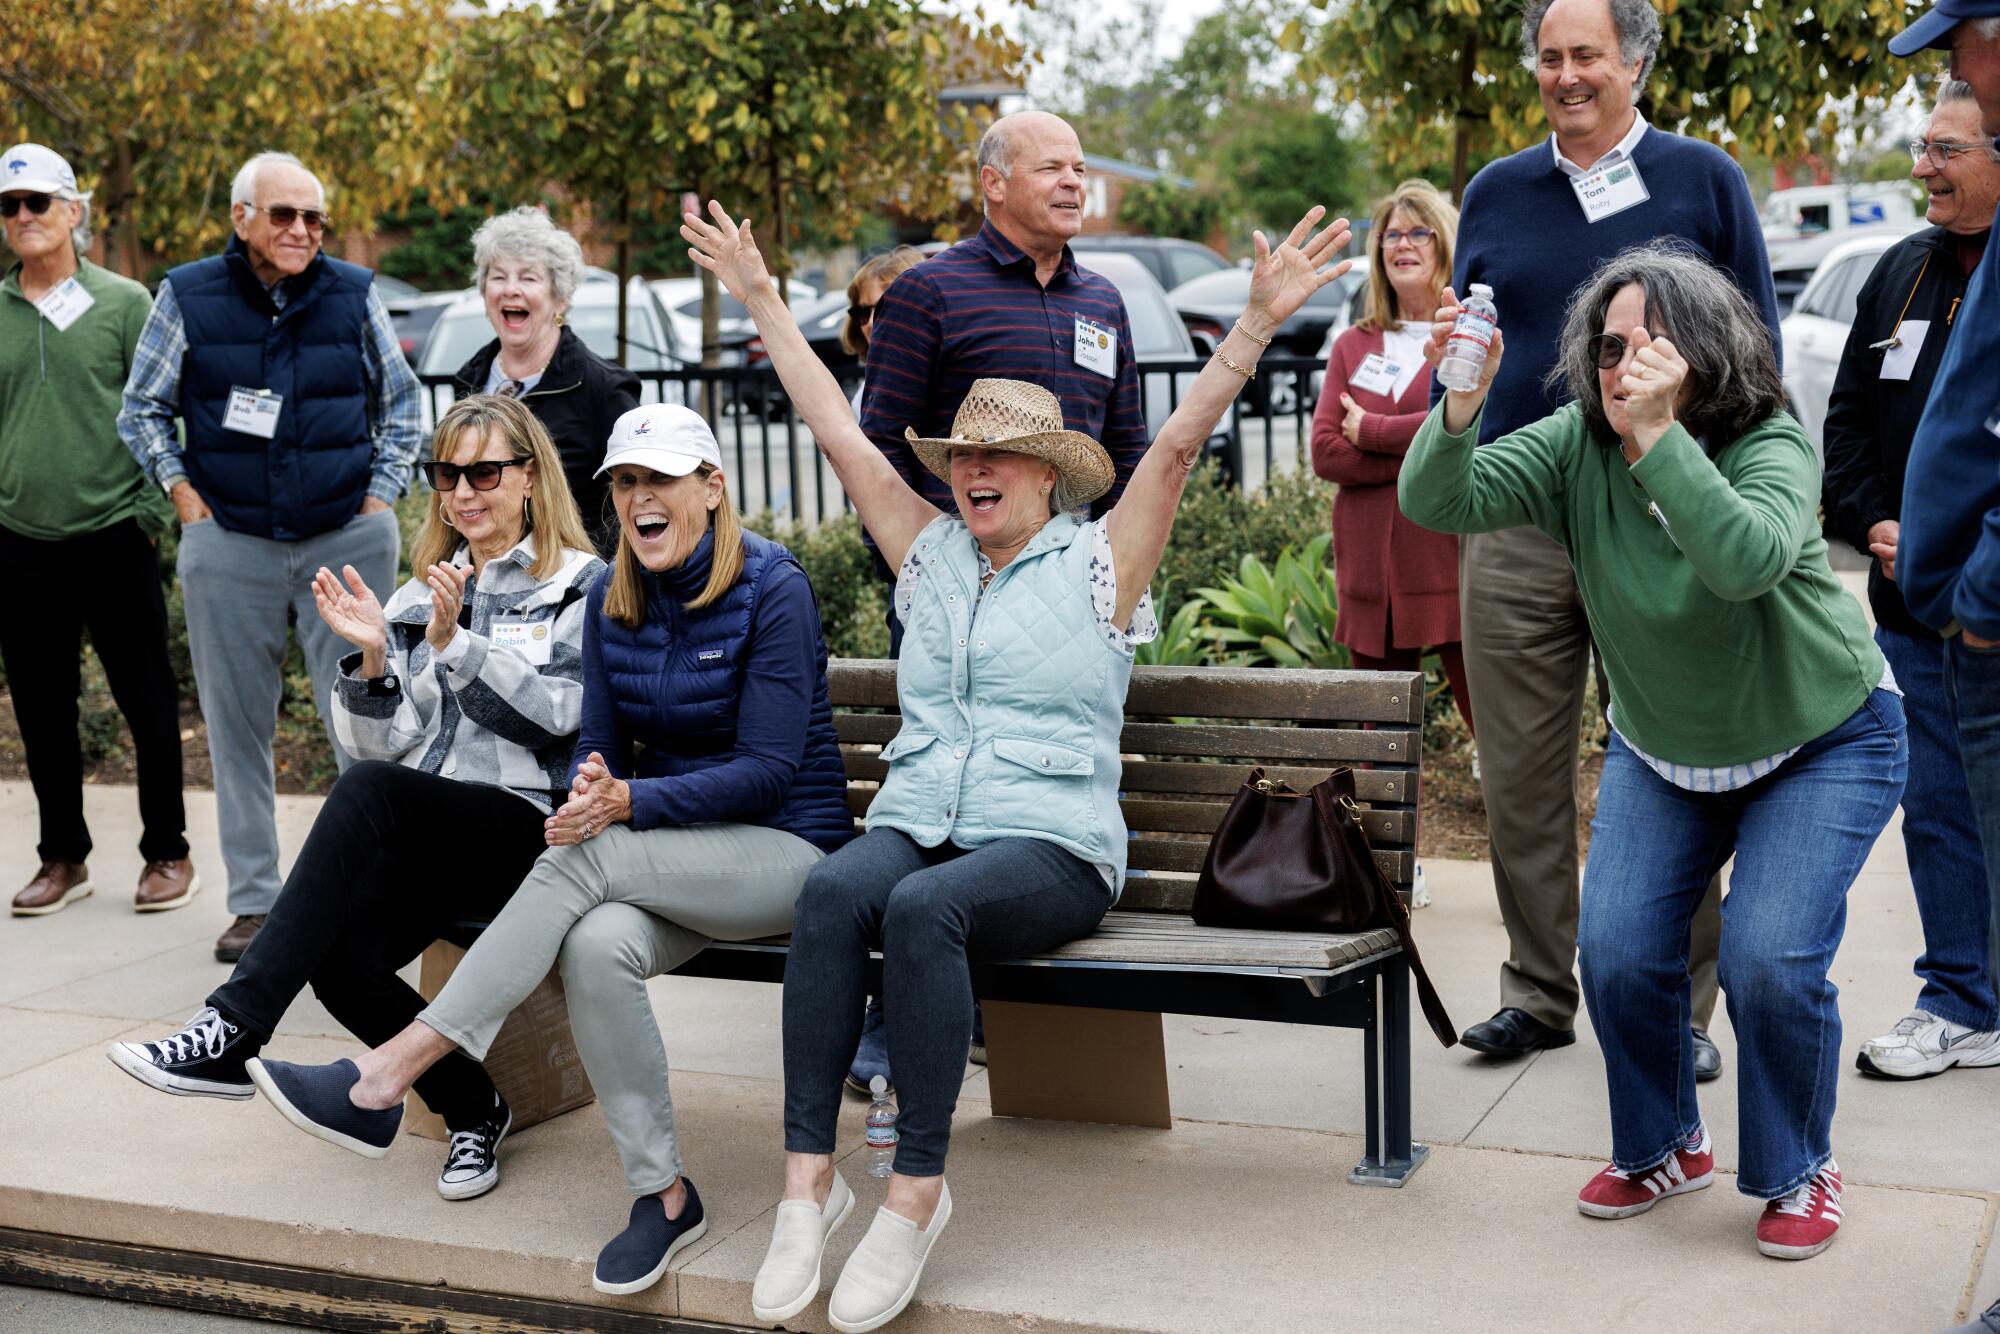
point(240, 593)
point(616, 910)
point(1527, 659)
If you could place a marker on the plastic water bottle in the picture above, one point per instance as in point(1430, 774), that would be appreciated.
point(1471, 338)
point(881, 1129)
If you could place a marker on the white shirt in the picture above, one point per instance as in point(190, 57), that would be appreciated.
point(1617, 153)
point(1404, 344)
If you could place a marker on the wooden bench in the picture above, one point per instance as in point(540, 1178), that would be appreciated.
point(1191, 736)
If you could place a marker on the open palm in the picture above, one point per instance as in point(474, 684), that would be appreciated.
point(727, 250)
point(351, 610)
point(1283, 279)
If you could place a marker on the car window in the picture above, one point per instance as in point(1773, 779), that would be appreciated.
point(1833, 292)
point(1844, 295)
point(1224, 286)
point(1187, 265)
point(731, 308)
point(458, 335)
point(597, 326)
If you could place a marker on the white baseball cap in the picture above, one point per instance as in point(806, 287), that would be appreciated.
point(665, 437)
point(38, 170)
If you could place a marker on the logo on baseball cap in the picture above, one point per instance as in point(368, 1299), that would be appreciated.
point(37, 170)
point(1934, 28)
point(664, 437)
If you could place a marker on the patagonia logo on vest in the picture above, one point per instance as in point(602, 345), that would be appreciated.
point(711, 655)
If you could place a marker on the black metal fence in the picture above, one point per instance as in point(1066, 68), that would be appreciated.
point(773, 464)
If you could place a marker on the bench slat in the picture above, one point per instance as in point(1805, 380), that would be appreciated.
point(1332, 746)
point(1194, 817)
point(1374, 786)
point(1127, 937)
point(1160, 854)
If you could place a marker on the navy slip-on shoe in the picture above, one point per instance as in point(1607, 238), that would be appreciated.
point(314, 1098)
point(636, 1258)
point(871, 1054)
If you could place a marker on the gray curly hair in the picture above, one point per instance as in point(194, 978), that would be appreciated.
point(1638, 28)
point(1733, 372)
point(526, 233)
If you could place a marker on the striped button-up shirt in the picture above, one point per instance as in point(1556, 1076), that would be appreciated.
point(976, 312)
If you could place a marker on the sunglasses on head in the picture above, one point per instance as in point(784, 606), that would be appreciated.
point(484, 475)
point(283, 216)
point(37, 204)
point(1606, 350)
point(860, 314)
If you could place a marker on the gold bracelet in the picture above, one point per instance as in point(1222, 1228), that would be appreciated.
point(1260, 342)
point(1247, 372)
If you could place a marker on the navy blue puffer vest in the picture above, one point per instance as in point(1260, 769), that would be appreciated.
point(677, 679)
point(313, 475)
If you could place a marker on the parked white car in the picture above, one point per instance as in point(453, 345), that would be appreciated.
point(681, 299)
point(1815, 333)
point(1157, 335)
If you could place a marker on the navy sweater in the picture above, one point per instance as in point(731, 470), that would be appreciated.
point(1948, 558)
point(1523, 234)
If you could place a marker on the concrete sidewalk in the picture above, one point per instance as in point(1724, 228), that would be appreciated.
point(1239, 1218)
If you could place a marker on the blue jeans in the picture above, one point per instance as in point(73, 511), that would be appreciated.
point(1941, 835)
point(1799, 836)
point(1972, 689)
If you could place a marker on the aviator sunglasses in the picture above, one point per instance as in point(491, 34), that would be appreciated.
point(282, 216)
point(484, 475)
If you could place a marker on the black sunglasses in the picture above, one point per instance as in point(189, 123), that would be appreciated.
point(37, 204)
point(1607, 350)
point(860, 314)
point(284, 215)
point(484, 475)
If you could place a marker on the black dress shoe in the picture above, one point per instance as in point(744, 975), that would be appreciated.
point(1707, 1057)
point(1515, 1033)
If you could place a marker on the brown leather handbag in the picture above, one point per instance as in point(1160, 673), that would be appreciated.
point(1291, 861)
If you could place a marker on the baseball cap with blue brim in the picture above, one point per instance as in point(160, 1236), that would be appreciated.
point(664, 437)
point(36, 170)
point(1934, 29)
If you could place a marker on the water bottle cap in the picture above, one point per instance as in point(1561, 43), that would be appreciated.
point(1481, 289)
point(879, 1086)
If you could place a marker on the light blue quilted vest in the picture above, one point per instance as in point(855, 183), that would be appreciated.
point(1012, 702)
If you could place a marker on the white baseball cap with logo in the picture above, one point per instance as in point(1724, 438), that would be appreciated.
point(664, 437)
point(37, 170)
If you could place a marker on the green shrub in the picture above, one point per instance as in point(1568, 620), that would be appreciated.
point(1184, 639)
point(853, 596)
point(1283, 615)
point(1216, 526)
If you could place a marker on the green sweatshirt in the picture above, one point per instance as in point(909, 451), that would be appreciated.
point(63, 470)
point(1725, 635)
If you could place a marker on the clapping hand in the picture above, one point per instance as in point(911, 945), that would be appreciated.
point(447, 583)
point(1652, 385)
point(727, 250)
point(351, 610)
point(596, 800)
point(1281, 280)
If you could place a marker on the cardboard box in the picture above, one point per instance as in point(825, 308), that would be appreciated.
point(534, 1062)
point(1066, 1063)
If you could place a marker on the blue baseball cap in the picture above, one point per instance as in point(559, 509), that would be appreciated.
point(1933, 30)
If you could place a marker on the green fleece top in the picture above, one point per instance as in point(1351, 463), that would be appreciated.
point(63, 470)
point(1725, 635)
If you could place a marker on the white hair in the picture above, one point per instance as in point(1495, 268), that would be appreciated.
point(527, 233)
point(243, 190)
point(1988, 29)
point(996, 149)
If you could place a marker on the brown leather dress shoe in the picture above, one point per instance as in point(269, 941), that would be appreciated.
point(166, 884)
point(55, 887)
point(229, 946)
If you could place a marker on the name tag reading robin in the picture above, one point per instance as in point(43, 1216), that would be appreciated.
point(533, 640)
point(253, 412)
point(1379, 374)
point(1096, 347)
point(64, 304)
point(1609, 190)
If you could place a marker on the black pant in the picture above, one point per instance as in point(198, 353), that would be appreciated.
point(394, 857)
point(106, 582)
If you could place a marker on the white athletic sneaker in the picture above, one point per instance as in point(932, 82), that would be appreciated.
point(1924, 1044)
point(788, 1280)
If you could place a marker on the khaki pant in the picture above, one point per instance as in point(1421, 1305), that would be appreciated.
point(1527, 657)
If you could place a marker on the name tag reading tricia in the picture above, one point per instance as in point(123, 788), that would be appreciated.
point(1379, 375)
point(253, 412)
point(533, 640)
point(1609, 190)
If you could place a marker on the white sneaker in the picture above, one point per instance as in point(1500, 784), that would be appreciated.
point(881, 1276)
point(788, 1279)
point(1924, 1044)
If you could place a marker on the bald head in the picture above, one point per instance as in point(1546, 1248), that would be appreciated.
point(1009, 137)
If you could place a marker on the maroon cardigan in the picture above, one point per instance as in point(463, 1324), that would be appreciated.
point(1380, 558)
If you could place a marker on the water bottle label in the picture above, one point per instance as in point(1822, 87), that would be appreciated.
point(1473, 327)
point(882, 1137)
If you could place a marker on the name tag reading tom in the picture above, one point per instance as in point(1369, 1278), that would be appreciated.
point(533, 640)
point(1096, 347)
point(1609, 190)
point(1380, 375)
point(64, 304)
point(253, 412)
point(1899, 359)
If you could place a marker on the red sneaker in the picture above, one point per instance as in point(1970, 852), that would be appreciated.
point(1615, 1194)
point(1801, 1225)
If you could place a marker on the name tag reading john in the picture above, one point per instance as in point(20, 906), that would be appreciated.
point(64, 304)
point(533, 640)
point(1096, 347)
point(253, 412)
point(1609, 190)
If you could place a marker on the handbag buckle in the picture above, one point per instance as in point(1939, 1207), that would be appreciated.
point(1353, 811)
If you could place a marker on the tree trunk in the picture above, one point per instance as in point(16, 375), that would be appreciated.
point(624, 265)
point(122, 202)
point(1461, 148)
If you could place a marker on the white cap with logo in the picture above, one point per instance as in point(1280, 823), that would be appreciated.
point(37, 170)
point(664, 437)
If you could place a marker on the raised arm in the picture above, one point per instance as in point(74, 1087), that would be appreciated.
point(890, 510)
point(1280, 283)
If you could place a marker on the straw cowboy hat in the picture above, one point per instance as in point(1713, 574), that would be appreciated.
point(1021, 418)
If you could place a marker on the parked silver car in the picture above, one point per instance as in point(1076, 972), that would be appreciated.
point(1157, 335)
point(1815, 333)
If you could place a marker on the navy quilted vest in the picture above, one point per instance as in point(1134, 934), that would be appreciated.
point(313, 475)
point(678, 677)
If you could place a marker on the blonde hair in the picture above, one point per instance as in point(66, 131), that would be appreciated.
point(550, 514)
point(625, 600)
point(1421, 200)
point(883, 269)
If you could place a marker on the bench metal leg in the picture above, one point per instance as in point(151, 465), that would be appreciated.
point(1392, 1155)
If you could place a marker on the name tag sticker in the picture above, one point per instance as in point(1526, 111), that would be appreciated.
point(253, 412)
point(1899, 360)
point(1609, 190)
point(531, 639)
point(1381, 375)
point(64, 304)
point(1096, 347)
